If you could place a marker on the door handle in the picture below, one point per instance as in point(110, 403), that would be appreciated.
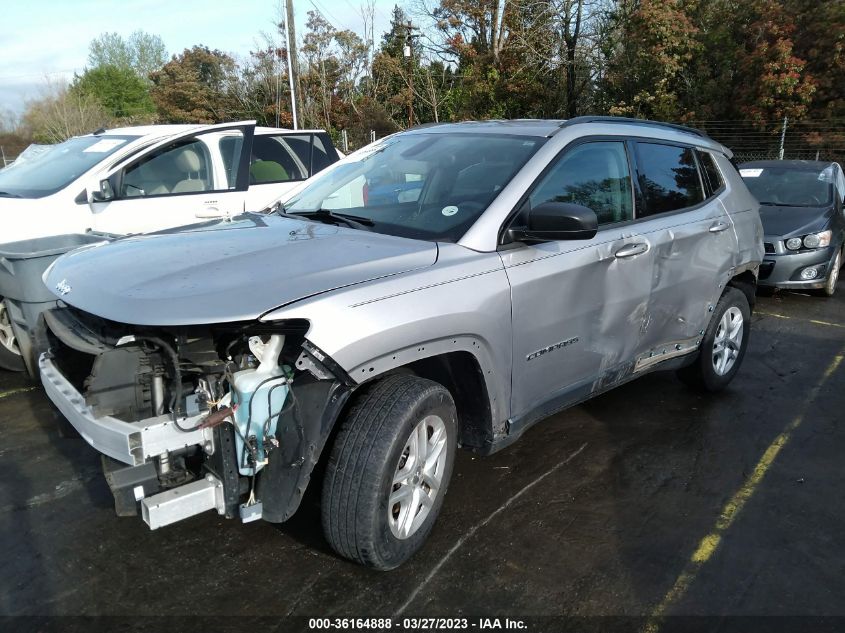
point(629, 250)
point(718, 227)
point(209, 213)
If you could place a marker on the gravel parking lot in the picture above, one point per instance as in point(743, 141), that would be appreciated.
point(648, 501)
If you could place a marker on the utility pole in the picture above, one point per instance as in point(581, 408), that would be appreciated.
point(277, 52)
point(408, 51)
point(782, 138)
point(293, 65)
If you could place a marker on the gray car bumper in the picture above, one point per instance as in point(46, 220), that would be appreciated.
point(784, 270)
point(132, 443)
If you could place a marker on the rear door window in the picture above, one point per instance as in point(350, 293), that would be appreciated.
point(322, 159)
point(712, 175)
point(279, 158)
point(668, 178)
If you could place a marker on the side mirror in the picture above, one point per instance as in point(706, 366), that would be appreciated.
point(101, 192)
point(552, 221)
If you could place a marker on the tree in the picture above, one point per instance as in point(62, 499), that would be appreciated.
point(259, 87)
point(120, 91)
point(649, 66)
point(319, 70)
point(819, 40)
point(776, 83)
point(196, 87)
point(354, 54)
point(62, 113)
point(515, 58)
point(13, 137)
point(141, 52)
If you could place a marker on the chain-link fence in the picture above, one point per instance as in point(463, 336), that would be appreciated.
point(743, 157)
point(800, 140)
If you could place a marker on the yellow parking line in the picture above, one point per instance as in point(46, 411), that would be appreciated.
point(783, 316)
point(12, 392)
point(708, 545)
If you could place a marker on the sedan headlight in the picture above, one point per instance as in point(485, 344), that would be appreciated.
point(818, 240)
point(813, 240)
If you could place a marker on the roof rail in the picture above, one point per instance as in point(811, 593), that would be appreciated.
point(630, 120)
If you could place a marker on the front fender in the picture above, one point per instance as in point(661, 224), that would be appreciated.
point(462, 303)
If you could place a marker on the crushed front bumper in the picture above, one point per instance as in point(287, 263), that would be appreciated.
point(132, 443)
point(136, 444)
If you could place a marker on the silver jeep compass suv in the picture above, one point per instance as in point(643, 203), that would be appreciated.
point(447, 286)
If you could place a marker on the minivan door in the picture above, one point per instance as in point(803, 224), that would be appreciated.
point(694, 244)
point(578, 307)
point(188, 178)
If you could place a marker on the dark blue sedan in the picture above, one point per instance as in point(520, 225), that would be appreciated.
point(801, 205)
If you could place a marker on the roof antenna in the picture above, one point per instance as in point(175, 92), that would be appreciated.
point(99, 131)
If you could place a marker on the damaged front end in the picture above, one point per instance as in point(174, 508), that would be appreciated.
point(229, 417)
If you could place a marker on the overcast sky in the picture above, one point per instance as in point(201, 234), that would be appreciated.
point(49, 38)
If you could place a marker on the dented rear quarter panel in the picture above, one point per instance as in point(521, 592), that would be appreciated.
point(744, 211)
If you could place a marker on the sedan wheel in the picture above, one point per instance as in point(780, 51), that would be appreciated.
point(833, 275)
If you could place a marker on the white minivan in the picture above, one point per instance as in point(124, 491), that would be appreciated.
point(141, 179)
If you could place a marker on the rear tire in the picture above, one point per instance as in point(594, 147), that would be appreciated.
point(388, 471)
point(723, 345)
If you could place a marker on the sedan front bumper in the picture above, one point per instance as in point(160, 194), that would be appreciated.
point(783, 270)
point(132, 443)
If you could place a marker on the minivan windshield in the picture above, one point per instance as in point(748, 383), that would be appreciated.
point(788, 187)
point(430, 186)
point(57, 166)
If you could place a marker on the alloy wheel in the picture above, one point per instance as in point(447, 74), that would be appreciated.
point(728, 341)
point(418, 477)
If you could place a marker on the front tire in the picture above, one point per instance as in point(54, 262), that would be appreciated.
point(723, 345)
point(388, 471)
point(833, 275)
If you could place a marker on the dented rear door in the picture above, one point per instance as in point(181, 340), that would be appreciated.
point(694, 245)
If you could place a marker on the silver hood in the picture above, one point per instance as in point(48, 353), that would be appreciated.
point(226, 271)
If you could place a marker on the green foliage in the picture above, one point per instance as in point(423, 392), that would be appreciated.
point(119, 90)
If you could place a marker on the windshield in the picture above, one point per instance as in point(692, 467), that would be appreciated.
point(57, 166)
point(787, 186)
point(426, 186)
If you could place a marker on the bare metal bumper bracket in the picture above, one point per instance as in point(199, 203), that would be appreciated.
point(132, 443)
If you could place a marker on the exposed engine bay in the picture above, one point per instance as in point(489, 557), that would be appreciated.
point(197, 417)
